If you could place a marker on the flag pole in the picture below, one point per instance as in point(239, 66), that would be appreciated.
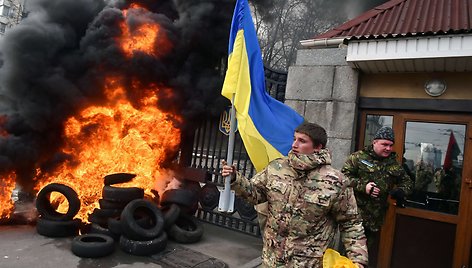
point(226, 202)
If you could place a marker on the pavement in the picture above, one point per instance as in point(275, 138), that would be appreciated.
point(21, 246)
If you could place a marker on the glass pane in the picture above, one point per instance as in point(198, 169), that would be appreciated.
point(433, 158)
point(373, 123)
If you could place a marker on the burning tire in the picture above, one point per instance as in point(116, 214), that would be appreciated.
point(171, 214)
point(144, 248)
point(51, 228)
point(118, 178)
point(132, 225)
point(92, 245)
point(123, 195)
point(187, 229)
point(45, 208)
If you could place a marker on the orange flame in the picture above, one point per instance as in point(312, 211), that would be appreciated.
point(147, 38)
point(116, 138)
point(119, 137)
point(3, 120)
point(7, 185)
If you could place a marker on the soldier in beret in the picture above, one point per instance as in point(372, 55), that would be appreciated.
point(375, 174)
point(308, 200)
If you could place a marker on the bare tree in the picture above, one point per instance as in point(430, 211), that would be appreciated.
point(281, 24)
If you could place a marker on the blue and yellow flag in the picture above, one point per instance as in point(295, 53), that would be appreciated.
point(266, 125)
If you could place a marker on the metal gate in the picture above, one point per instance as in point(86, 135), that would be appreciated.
point(210, 147)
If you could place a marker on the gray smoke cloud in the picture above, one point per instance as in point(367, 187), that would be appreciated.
point(54, 62)
point(327, 10)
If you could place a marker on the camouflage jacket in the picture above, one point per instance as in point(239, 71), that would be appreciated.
point(307, 201)
point(365, 166)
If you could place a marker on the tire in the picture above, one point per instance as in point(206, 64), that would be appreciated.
point(118, 178)
point(44, 206)
point(131, 225)
point(123, 195)
point(170, 214)
point(92, 245)
point(109, 204)
point(107, 213)
point(194, 187)
point(246, 210)
point(209, 197)
point(94, 218)
point(97, 229)
point(114, 225)
point(182, 197)
point(51, 228)
point(144, 248)
point(187, 229)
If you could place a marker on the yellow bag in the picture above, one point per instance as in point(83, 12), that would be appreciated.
point(332, 259)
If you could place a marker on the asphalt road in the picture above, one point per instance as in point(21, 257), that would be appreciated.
point(21, 246)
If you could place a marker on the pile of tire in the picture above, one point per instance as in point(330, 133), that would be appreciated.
point(124, 217)
point(111, 205)
point(179, 206)
point(52, 223)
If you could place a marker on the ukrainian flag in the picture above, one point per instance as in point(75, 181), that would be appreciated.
point(266, 125)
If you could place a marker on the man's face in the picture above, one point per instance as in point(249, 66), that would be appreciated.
point(383, 148)
point(302, 144)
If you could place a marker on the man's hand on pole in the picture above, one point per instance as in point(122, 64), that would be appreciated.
point(228, 170)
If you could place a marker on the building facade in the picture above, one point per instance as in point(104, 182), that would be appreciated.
point(11, 12)
point(405, 64)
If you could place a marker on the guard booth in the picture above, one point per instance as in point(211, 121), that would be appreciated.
point(434, 144)
point(405, 64)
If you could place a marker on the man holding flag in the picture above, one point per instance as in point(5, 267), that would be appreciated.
point(307, 199)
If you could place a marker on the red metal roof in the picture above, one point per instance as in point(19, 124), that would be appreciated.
point(408, 17)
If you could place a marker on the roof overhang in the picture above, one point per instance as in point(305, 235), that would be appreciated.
point(437, 53)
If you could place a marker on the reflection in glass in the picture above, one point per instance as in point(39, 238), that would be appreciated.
point(433, 158)
point(373, 123)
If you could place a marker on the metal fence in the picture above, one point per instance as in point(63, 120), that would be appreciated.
point(210, 148)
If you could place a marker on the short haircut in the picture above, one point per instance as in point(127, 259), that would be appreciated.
point(316, 132)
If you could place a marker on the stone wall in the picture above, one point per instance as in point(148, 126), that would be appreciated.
point(324, 89)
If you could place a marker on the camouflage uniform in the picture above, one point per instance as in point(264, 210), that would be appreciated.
point(365, 166)
point(307, 201)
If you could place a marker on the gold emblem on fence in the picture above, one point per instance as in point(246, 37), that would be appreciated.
point(225, 121)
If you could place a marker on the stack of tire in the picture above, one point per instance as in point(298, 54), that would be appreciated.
point(179, 206)
point(138, 225)
point(52, 223)
point(113, 201)
point(125, 217)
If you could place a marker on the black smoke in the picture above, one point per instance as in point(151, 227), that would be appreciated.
point(53, 64)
